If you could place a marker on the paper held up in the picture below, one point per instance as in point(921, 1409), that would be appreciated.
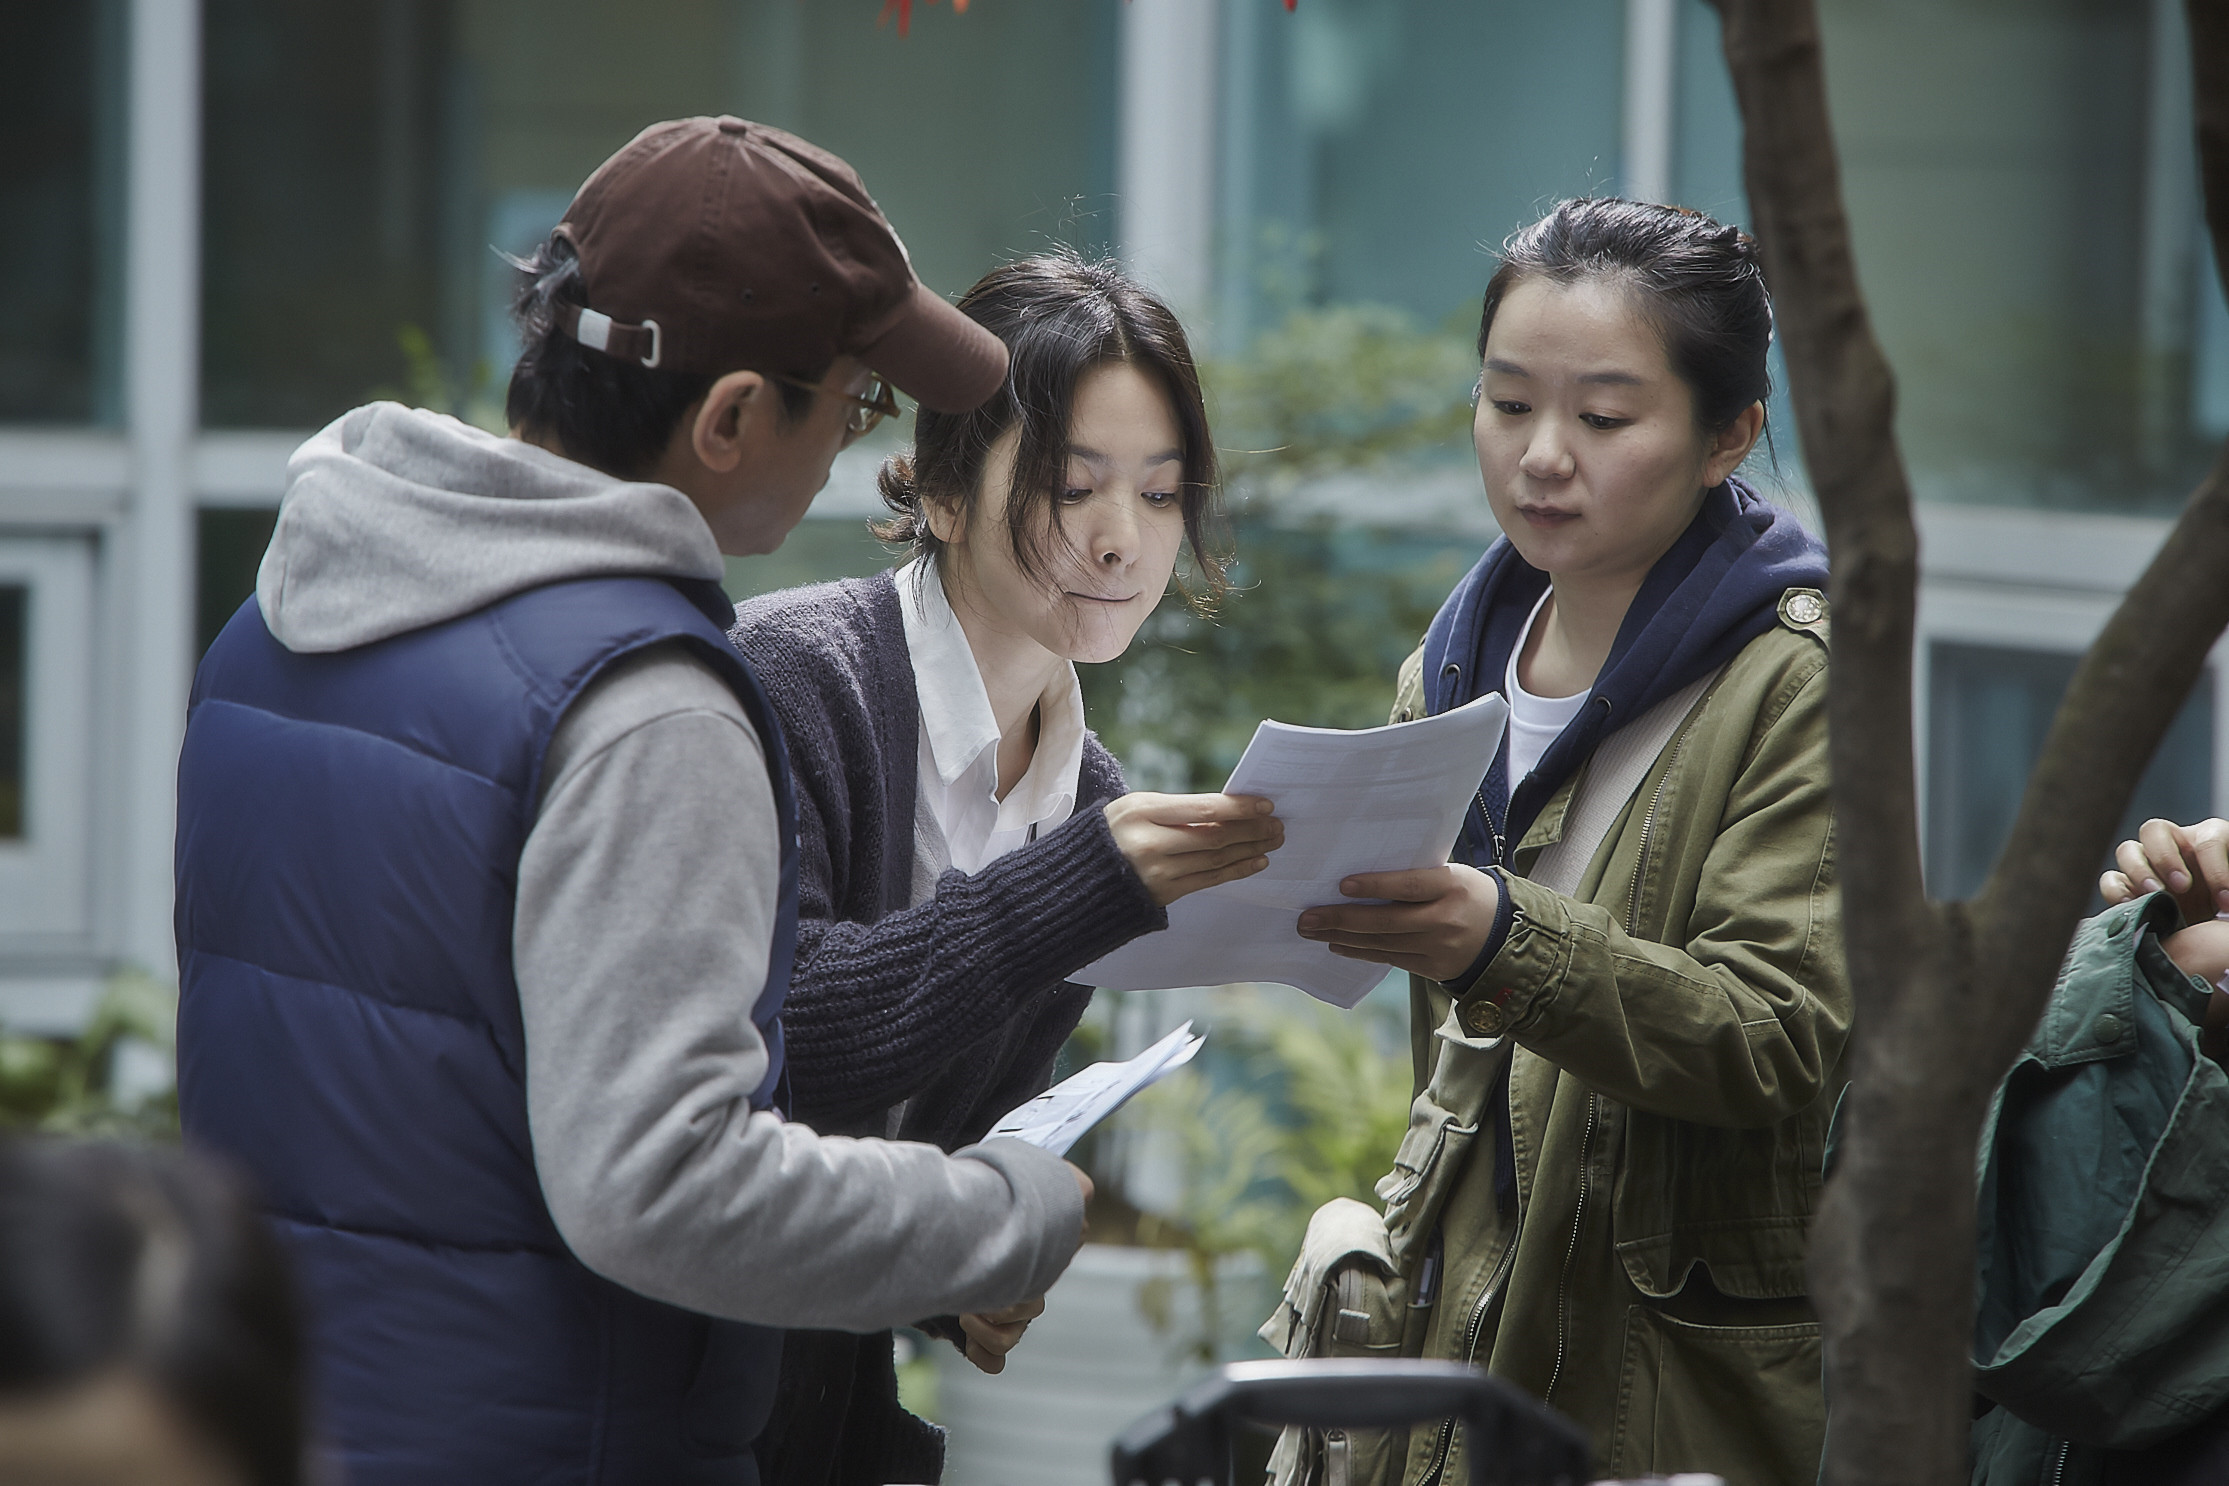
point(1056, 1119)
point(1384, 799)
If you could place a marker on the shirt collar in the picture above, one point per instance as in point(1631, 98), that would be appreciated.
point(1047, 789)
point(956, 717)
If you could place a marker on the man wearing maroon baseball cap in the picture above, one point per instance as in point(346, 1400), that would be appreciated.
point(487, 862)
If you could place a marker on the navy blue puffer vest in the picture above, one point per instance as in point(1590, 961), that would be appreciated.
point(349, 831)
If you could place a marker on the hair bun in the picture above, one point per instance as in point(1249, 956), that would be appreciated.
point(901, 492)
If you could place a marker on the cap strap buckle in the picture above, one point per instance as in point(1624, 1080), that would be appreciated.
point(599, 332)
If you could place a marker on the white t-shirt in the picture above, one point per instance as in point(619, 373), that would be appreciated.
point(1534, 722)
point(959, 737)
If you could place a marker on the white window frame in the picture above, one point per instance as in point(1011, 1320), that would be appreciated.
point(2042, 581)
point(46, 891)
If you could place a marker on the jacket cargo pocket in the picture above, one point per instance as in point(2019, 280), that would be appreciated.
point(1743, 1401)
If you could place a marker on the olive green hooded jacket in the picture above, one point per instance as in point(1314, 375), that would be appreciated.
point(1674, 1034)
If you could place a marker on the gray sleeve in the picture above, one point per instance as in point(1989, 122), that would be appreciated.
point(646, 904)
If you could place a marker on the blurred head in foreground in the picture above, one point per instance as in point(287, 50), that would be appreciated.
point(148, 1329)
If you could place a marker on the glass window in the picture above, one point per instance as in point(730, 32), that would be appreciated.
point(1989, 708)
point(2024, 207)
point(2210, 370)
point(60, 129)
point(365, 161)
point(1376, 149)
point(1995, 160)
point(14, 599)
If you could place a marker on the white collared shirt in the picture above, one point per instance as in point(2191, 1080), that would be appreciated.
point(959, 736)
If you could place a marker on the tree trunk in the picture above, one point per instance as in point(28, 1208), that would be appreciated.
point(1946, 993)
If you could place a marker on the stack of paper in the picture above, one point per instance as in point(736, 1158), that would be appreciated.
point(1056, 1119)
point(1379, 800)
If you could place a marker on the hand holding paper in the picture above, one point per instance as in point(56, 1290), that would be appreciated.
point(1384, 799)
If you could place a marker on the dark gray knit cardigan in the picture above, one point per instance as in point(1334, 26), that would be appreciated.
point(956, 1007)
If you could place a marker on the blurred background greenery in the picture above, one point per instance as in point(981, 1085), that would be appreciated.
point(112, 1079)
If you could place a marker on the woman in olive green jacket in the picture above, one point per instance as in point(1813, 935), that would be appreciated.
point(1630, 1004)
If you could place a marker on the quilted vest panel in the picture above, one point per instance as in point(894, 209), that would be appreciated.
point(349, 833)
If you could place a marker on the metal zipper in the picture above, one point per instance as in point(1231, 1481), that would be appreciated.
point(1501, 849)
point(1476, 1324)
point(1571, 1250)
point(2058, 1462)
point(1586, 1155)
point(1586, 1141)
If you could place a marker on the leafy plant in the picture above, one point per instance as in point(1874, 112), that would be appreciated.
point(73, 1086)
point(1315, 628)
point(476, 399)
point(1338, 387)
point(1295, 1103)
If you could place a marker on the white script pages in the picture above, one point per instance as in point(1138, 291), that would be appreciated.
point(1056, 1119)
point(1384, 799)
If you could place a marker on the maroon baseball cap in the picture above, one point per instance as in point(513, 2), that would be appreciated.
point(719, 245)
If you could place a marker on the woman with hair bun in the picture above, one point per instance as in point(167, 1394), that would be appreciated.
point(967, 844)
point(1629, 1002)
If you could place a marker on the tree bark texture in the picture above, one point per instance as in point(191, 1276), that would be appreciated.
point(1946, 993)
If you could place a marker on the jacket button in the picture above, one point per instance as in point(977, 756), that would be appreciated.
point(1484, 1019)
point(1805, 608)
point(2108, 1028)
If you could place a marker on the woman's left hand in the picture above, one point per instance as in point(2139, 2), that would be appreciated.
point(1434, 923)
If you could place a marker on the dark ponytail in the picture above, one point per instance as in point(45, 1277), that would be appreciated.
point(1698, 281)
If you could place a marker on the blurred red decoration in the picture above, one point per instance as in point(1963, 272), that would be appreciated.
point(903, 10)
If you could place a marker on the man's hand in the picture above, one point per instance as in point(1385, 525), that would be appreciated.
point(1178, 844)
point(992, 1334)
point(2192, 862)
point(1434, 924)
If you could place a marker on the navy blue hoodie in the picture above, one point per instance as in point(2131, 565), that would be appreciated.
point(1717, 588)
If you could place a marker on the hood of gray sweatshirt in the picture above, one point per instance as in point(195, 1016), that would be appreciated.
point(396, 518)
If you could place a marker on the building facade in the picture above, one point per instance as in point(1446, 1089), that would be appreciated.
point(230, 220)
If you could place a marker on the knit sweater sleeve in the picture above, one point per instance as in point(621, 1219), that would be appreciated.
point(876, 1009)
point(882, 996)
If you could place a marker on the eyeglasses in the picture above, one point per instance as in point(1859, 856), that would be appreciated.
point(879, 403)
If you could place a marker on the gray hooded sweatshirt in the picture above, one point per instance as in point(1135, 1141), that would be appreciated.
point(646, 904)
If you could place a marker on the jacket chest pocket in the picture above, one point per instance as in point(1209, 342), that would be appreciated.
point(1738, 1202)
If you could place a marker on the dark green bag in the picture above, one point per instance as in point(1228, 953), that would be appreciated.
point(2102, 1264)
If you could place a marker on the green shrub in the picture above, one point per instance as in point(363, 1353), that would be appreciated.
point(69, 1086)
